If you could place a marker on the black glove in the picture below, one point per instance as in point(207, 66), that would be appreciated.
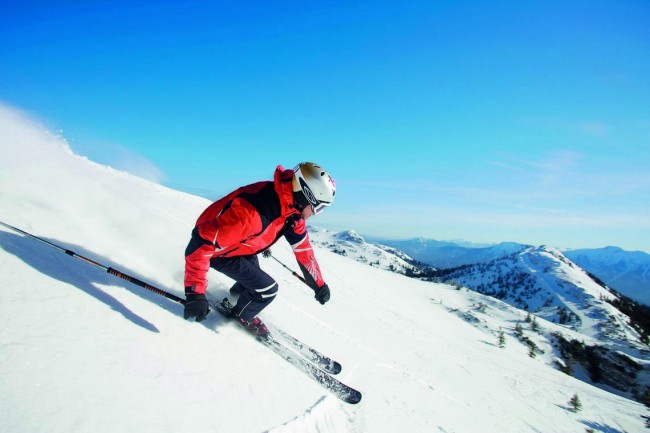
point(322, 294)
point(196, 305)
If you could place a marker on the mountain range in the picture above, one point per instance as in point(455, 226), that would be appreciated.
point(628, 272)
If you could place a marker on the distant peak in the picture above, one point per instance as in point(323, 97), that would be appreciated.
point(350, 236)
point(547, 249)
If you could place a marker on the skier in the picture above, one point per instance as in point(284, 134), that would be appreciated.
point(233, 230)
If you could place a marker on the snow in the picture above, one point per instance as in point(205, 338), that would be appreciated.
point(83, 351)
point(543, 281)
point(350, 244)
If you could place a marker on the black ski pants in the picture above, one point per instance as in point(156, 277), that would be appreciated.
point(259, 289)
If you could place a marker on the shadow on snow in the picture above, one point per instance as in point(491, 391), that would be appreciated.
point(84, 276)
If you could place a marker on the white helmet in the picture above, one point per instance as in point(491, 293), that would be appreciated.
point(317, 186)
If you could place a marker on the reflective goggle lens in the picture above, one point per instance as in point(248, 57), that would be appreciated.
point(320, 207)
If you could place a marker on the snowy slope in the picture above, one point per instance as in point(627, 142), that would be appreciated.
point(83, 351)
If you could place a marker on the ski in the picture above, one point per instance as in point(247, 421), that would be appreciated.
point(329, 382)
point(321, 361)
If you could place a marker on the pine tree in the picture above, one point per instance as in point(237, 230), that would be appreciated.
point(645, 399)
point(533, 349)
point(575, 403)
point(647, 420)
point(519, 330)
point(533, 325)
point(502, 339)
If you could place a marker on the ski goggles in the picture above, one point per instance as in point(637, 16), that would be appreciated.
point(320, 207)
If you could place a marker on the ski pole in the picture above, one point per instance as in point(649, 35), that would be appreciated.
point(290, 270)
point(110, 270)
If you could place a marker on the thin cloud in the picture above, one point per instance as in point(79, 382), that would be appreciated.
point(590, 127)
point(549, 170)
point(596, 129)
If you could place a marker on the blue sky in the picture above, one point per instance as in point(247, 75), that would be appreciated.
point(479, 120)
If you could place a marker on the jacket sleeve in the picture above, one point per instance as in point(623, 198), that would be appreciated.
point(237, 222)
point(198, 253)
point(299, 241)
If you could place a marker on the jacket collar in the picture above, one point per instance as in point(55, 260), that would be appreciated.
point(282, 180)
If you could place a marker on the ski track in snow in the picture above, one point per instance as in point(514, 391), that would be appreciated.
point(326, 415)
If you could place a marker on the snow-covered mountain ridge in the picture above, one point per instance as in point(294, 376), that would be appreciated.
point(626, 271)
point(543, 281)
point(350, 244)
point(84, 351)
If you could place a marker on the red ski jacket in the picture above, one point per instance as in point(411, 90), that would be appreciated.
point(248, 221)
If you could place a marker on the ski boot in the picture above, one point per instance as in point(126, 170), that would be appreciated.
point(255, 327)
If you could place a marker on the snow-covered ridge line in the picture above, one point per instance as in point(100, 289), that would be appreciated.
point(350, 244)
point(626, 271)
